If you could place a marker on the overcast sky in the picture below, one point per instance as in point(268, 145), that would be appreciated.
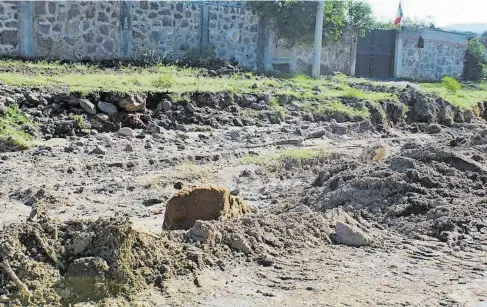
point(443, 12)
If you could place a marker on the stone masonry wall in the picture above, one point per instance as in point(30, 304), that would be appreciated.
point(335, 57)
point(77, 30)
point(101, 30)
point(9, 27)
point(442, 55)
point(166, 29)
point(234, 33)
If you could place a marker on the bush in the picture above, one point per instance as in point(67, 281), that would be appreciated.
point(451, 85)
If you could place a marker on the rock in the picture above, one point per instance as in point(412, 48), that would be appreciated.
point(350, 235)
point(99, 150)
point(258, 106)
point(101, 117)
point(153, 128)
point(433, 129)
point(164, 105)
point(129, 147)
point(126, 131)
point(234, 135)
point(202, 203)
point(301, 209)
point(178, 185)
point(239, 243)
point(206, 232)
point(235, 192)
point(190, 107)
point(133, 103)
point(87, 106)
point(107, 107)
point(373, 153)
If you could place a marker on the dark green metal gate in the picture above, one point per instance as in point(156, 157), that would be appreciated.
point(375, 54)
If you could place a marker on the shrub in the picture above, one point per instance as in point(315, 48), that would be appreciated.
point(451, 85)
point(164, 81)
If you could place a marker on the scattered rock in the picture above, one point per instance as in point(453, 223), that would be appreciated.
point(202, 203)
point(433, 129)
point(190, 107)
point(178, 185)
point(129, 147)
point(99, 150)
point(164, 105)
point(107, 107)
point(87, 106)
point(133, 103)
point(126, 131)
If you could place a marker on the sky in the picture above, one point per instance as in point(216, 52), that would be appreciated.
point(440, 12)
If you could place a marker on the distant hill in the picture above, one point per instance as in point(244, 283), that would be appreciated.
point(467, 27)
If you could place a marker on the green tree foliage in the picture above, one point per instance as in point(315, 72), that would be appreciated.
point(476, 60)
point(295, 20)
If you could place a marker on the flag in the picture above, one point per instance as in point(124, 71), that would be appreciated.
point(399, 15)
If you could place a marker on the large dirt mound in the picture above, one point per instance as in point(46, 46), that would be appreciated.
point(426, 190)
point(45, 262)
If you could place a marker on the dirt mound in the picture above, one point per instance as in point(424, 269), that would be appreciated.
point(47, 262)
point(426, 190)
point(424, 108)
point(202, 203)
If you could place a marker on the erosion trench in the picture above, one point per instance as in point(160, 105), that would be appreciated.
point(241, 199)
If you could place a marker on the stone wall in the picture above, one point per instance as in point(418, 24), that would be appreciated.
point(101, 30)
point(9, 28)
point(166, 29)
point(234, 33)
point(442, 55)
point(335, 57)
point(77, 30)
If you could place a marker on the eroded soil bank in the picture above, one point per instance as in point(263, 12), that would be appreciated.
point(82, 208)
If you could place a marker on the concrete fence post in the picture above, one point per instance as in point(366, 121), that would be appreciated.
point(26, 28)
point(205, 27)
point(126, 31)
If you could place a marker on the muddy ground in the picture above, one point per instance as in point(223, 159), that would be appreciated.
point(82, 210)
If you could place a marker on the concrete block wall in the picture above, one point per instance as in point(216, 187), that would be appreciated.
point(101, 30)
point(442, 55)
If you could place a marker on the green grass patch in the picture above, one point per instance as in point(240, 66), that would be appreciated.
point(275, 160)
point(12, 125)
point(335, 108)
point(464, 98)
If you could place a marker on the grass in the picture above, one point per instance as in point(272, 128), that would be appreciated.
point(464, 98)
point(170, 78)
point(12, 125)
point(335, 108)
point(275, 160)
point(185, 172)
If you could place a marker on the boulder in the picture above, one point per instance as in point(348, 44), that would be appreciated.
point(133, 103)
point(87, 106)
point(107, 107)
point(202, 203)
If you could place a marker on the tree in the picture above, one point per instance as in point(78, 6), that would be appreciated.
point(295, 20)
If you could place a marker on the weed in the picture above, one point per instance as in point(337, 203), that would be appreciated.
point(13, 127)
point(451, 85)
point(79, 122)
point(273, 103)
point(164, 81)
